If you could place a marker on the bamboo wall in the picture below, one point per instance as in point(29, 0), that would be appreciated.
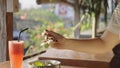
point(3, 32)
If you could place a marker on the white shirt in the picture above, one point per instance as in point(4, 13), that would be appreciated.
point(114, 25)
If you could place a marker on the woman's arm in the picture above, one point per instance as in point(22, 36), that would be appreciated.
point(98, 45)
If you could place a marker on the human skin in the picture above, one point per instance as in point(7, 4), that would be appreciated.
point(96, 46)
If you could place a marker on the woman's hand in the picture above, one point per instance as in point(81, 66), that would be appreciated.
point(58, 40)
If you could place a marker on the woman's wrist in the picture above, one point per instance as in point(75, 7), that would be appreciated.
point(64, 43)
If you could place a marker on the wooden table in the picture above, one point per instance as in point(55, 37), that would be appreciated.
point(5, 64)
point(66, 64)
point(76, 63)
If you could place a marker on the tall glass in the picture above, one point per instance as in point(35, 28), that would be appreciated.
point(16, 53)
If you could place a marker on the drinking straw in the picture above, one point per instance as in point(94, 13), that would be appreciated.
point(21, 32)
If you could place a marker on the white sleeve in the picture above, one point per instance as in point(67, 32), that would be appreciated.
point(114, 25)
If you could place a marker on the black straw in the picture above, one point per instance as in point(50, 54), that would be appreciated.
point(21, 32)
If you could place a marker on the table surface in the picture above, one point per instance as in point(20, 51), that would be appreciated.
point(6, 64)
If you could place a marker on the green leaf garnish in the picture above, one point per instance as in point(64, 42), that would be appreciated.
point(38, 63)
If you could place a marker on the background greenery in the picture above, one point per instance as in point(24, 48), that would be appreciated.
point(40, 19)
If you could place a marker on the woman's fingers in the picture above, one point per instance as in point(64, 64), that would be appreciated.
point(52, 38)
point(50, 35)
point(55, 38)
point(55, 35)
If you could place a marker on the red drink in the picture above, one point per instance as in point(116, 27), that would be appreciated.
point(16, 53)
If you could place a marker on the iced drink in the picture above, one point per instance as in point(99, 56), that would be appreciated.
point(16, 53)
